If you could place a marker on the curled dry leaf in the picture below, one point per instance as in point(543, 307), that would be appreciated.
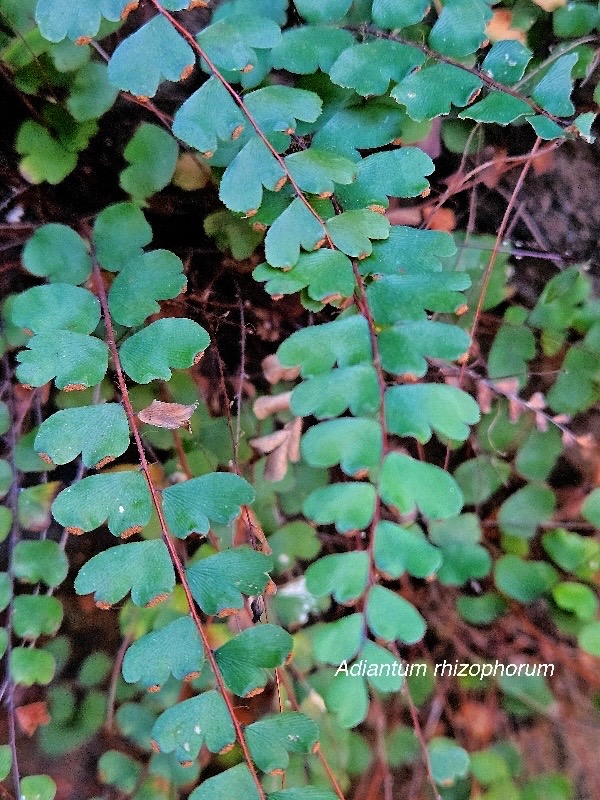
point(282, 447)
point(485, 397)
point(271, 404)
point(168, 415)
point(275, 372)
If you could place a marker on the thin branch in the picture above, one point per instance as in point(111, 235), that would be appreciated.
point(179, 568)
point(12, 503)
point(478, 73)
point(240, 103)
point(318, 752)
point(490, 266)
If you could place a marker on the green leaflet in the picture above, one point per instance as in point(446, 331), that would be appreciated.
point(391, 617)
point(186, 727)
point(144, 568)
point(37, 787)
point(349, 506)
point(355, 444)
point(73, 360)
point(33, 506)
point(40, 561)
point(245, 661)
point(522, 513)
point(310, 47)
point(368, 68)
point(506, 61)
point(231, 43)
point(317, 171)
point(326, 274)
point(100, 433)
point(45, 158)
point(121, 498)
point(408, 484)
point(120, 233)
point(207, 117)
point(190, 506)
point(478, 478)
point(390, 14)
point(431, 91)
point(153, 53)
point(55, 251)
point(296, 227)
point(576, 598)
point(174, 650)
point(330, 394)
point(409, 250)
point(361, 128)
point(235, 782)
point(553, 92)
point(31, 666)
point(460, 28)
point(386, 680)
point(348, 698)
point(352, 231)
point(270, 740)
point(413, 410)
point(163, 345)
point(119, 770)
point(524, 581)
point(56, 306)
point(152, 155)
point(334, 642)
point(322, 10)
point(242, 184)
point(463, 557)
point(58, 18)
point(480, 610)
point(92, 94)
point(316, 349)
point(279, 108)
point(403, 348)
point(397, 173)
point(398, 550)
point(396, 298)
point(448, 761)
point(217, 582)
point(147, 278)
point(497, 107)
point(295, 540)
point(342, 575)
point(36, 615)
point(513, 347)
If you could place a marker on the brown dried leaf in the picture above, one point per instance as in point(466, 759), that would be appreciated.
point(31, 716)
point(268, 443)
point(277, 464)
point(485, 397)
point(275, 372)
point(167, 415)
point(271, 404)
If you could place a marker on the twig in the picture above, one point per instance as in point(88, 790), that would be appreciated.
point(490, 266)
point(240, 103)
point(478, 73)
point(110, 335)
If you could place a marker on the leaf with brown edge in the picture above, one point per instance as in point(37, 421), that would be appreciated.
point(174, 650)
point(187, 726)
point(245, 661)
point(142, 568)
point(100, 433)
point(120, 498)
